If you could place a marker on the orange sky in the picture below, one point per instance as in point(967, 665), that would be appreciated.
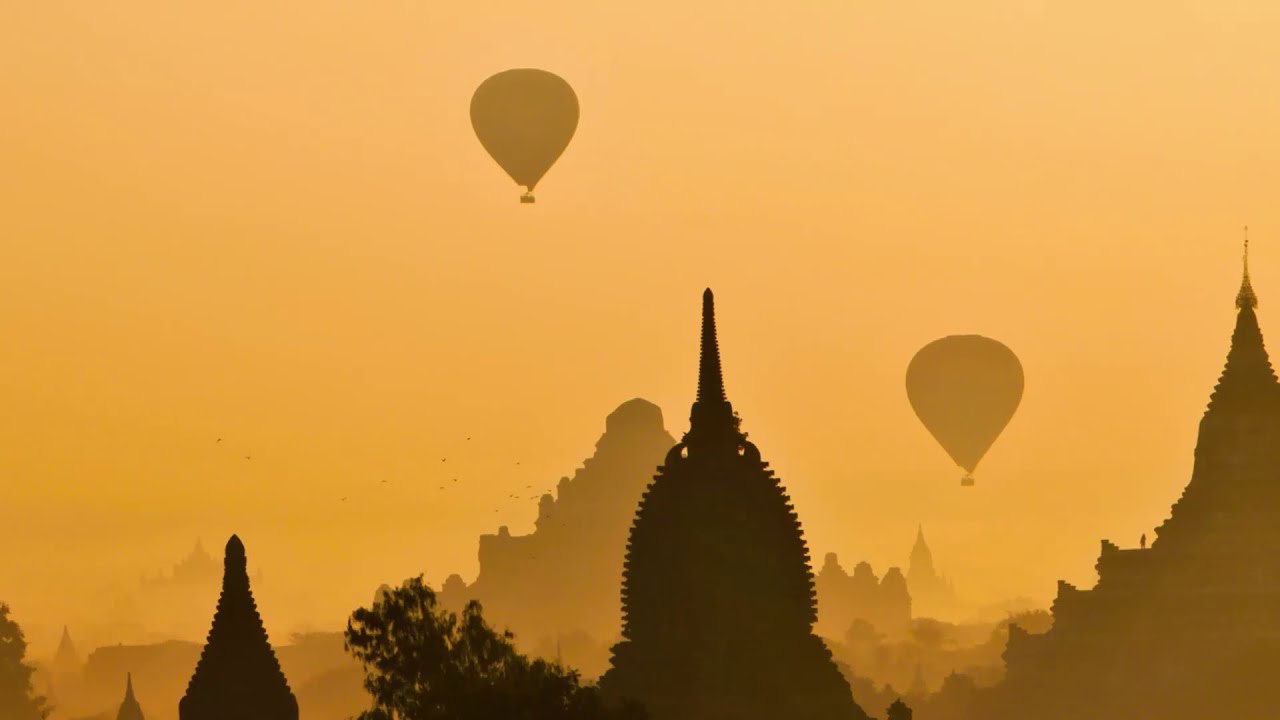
point(271, 223)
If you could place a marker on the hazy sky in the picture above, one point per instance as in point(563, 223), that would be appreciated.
point(271, 223)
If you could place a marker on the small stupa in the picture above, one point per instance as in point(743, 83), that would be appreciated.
point(238, 675)
point(130, 709)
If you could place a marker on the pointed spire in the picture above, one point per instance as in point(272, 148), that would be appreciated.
point(1247, 381)
point(711, 421)
point(1246, 298)
point(238, 674)
point(710, 377)
point(66, 659)
point(129, 709)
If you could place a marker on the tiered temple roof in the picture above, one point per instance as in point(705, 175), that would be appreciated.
point(718, 595)
point(1182, 628)
point(238, 675)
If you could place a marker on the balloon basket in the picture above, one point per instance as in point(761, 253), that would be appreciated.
point(527, 199)
point(966, 481)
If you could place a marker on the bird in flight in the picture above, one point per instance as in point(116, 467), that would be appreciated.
point(217, 441)
point(246, 457)
point(344, 499)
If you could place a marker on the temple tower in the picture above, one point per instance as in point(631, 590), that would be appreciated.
point(66, 661)
point(718, 595)
point(1190, 625)
point(238, 675)
point(130, 709)
point(931, 592)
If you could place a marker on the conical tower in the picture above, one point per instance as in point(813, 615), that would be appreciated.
point(1179, 627)
point(718, 594)
point(920, 569)
point(238, 675)
point(1233, 476)
point(66, 661)
point(130, 709)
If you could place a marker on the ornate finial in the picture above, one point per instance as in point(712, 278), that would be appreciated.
point(1246, 297)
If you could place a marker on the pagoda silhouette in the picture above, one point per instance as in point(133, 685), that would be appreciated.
point(718, 594)
point(1188, 627)
point(931, 591)
point(130, 709)
point(238, 675)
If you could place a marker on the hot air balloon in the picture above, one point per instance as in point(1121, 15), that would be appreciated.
point(965, 389)
point(525, 119)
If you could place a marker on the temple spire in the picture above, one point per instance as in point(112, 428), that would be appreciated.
point(238, 675)
point(710, 377)
point(1246, 297)
point(712, 419)
point(129, 709)
point(1248, 380)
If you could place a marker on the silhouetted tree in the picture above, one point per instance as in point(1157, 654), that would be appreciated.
point(425, 663)
point(898, 711)
point(16, 700)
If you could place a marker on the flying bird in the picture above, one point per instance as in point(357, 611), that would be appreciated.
point(218, 440)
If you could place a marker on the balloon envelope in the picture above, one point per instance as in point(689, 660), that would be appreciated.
point(525, 119)
point(965, 389)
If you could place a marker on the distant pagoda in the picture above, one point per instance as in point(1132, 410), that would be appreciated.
point(238, 675)
point(66, 661)
point(718, 595)
point(1189, 627)
point(130, 709)
point(932, 592)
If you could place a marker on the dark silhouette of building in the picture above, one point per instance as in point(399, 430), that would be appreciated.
point(932, 593)
point(844, 599)
point(557, 587)
point(238, 675)
point(718, 596)
point(1188, 627)
point(130, 709)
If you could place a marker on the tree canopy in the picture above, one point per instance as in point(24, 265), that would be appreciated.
point(16, 699)
point(425, 663)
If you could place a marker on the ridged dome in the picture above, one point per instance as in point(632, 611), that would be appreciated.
point(718, 594)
